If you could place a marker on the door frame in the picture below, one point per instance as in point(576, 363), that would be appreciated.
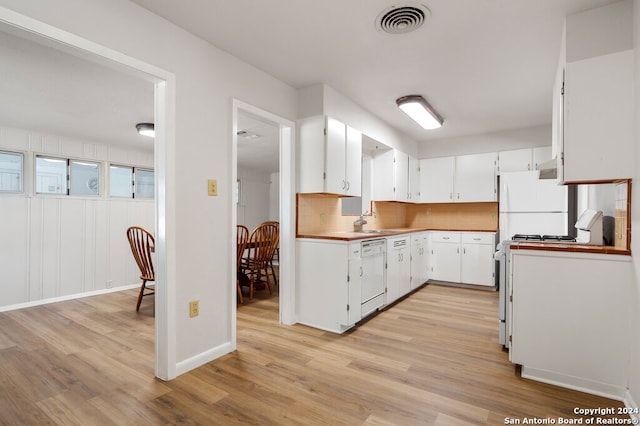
point(164, 150)
point(287, 187)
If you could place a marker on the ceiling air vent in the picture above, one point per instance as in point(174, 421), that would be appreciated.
point(402, 19)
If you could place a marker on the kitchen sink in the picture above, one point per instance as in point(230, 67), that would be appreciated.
point(373, 231)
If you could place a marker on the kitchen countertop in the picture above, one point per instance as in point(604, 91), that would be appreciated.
point(352, 236)
point(567, 247)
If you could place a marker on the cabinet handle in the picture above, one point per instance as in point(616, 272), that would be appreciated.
point(477, 239)
point(344, 184)
point(528, 166)
point(446, 238)
point(464, 251)
point(458, 195)
point(451, 195)
point(457, 251)
point(361, 271)
point(348, 185)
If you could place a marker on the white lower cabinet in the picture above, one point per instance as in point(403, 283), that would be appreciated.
point(463, 257)
point(328, 294)
point(419, 259)
point(571, 319)
point(398, 267)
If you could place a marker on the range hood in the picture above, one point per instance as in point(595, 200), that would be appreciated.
point(548, 169)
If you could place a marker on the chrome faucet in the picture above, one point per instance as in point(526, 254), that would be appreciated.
point(357, 224)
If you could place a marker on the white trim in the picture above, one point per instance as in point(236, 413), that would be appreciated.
point(576, 383)
point(68, 297)
point(164, 149)
point(203, 358)
point(287, 213)
point(630, 403)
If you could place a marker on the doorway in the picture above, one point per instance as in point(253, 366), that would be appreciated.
point(283, 130)
point(164, 88)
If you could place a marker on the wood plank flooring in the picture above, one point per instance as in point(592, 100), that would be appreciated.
point(432, 359)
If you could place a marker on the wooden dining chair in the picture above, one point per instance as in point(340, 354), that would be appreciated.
point(262, 243)
point(142, 244)
point(276, 253)
point(242, 236)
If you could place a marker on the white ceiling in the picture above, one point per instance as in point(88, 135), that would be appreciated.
point(259, 145)
point(49, 90)
point(485, 65)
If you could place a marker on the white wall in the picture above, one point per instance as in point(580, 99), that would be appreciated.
point(489, 142)
point(255, 206)
point(274, 197)
point(321, 99)
point(53, 246)
point(634, 337)
point(198, 227)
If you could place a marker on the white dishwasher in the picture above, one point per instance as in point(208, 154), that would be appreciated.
point(373, 255)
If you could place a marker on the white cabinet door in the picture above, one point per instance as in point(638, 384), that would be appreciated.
point(383, 176)
point(540, 155)
point(515, 160)
point(327, 298)
point(475, 178)
point(599, 118)
point(436, 179)
point(401, 175)
point(353, 162)
point(445, 261)
point(419, 260)
point(354, 308)
point(414, 180)
point(391, 176)
point(311, 155)
point(477, 264)
point(335, 164)
point(398, 268)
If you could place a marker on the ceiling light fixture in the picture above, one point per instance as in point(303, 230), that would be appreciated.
point(416, 107)
point(146, 129)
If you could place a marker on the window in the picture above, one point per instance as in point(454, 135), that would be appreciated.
point(11, 164)
point(131, 182)
point(66, 177)
point(144, 183)
point(51, 175)
point(84, 178)
point(121, 181)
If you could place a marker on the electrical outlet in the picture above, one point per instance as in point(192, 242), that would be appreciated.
point(194, 308)
point(212, 185)
point(109, 283)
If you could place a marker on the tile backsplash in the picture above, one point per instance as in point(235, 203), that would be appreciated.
point(319, 213)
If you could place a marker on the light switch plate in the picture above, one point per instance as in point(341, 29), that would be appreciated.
point(212, 187)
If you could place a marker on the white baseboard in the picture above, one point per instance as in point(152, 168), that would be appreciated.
point(576, 383)
point(202, 358)
point(630, 403)
point(67, 297)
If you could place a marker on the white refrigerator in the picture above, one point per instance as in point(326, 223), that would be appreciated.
point(529, 205)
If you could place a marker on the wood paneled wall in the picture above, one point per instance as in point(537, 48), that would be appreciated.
point(54, 246)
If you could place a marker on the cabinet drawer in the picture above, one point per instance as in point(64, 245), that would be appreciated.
point(445, 237)
point(478, 238)
point(354, 251)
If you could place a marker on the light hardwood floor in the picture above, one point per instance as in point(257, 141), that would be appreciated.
point(432, 359)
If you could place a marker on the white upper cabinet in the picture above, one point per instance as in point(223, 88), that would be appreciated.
point(516, 160)
point(330, 157)
point(391, 176)
point(414, 180)
point(465, 178)
point(594, 136)
point(436, 179)
point(522, 160)
point(475, 178)
point(598, 118)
